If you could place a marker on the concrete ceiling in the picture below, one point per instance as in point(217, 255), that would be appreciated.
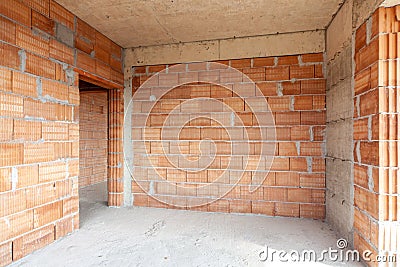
point(134, 23)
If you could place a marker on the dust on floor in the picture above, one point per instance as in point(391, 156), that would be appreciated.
point(159, 237)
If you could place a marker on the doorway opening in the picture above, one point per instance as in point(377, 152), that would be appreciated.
point(93, 148)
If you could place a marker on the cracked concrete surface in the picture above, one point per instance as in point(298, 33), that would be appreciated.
point(158, 237)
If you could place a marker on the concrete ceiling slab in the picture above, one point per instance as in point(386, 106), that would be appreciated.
point(134, 23)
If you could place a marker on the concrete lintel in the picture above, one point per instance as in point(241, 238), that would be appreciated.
point(246, 47)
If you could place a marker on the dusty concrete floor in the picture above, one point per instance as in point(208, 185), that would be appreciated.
point(158, 237)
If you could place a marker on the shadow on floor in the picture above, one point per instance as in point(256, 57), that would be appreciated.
point(91, 198)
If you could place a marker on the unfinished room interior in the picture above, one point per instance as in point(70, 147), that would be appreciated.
point(199, 133)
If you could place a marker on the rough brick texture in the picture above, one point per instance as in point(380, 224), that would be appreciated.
point(375, 133)
point(93, 142)
point(167, 167)
point(39, 115)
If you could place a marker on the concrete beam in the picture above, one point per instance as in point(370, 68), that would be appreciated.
point(339, 32)
point(246, 47)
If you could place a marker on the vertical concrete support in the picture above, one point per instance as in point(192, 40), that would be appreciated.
point(115, 148)
point(339, 128)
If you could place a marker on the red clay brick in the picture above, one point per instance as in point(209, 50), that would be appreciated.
point(288, 60)
point(255, 74)
point(31, 42)
point(279, 103)
point(9, 56)
point(300, 133)
point(7, 30)
point(287, 149)
point(40, 66)
point(312, 58)
point(17, 11)
point(5, 80)
point(262, 207)
point(16, 225)
point(312, 211)
point(366, 200)
point(102, 48)
point(61, 52)
point(299, 195)
point(55, 90)
point(319, 71)
point(28, 175)
point(6, 129)
point(318, 164)
point(360, 129)
point(287, 118)
point(12, 154)
point(32, 241)
point(62, 15)
point(311, 149)
point(362, 81)
point(241, 63)
point(303, 102)
point(34, 153)
point(116, 51)
point(291, 88)
point(313, 118)
point(42, 23)
point(313, 180)
point(368, 55)
point(313, 86)
point(27, 130)
point(287, 209)
point(47, 214)
point(370, 153)
point(85, 62)
point(11, 105)
point(361, 176)
point(264, 62)
point(361, 37)
point(63, 228)
point(240, 206)
point(277, 73)
point(369, 103)
point(156, 68)
point(298, 164)
point(287, 179)
point(13, 202)
point(86, 36)
point(24, 84)
point(301, 72)
point(6, 253)
point(42, 6)
point(267, 88)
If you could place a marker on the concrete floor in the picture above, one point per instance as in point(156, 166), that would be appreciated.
point(157, 237)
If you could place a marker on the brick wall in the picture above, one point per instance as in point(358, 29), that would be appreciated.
point(93, 137)
point(376, 133)
point(294, 87)
point(44, 50)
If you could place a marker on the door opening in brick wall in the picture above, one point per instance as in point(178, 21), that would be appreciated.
point(93, 145)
